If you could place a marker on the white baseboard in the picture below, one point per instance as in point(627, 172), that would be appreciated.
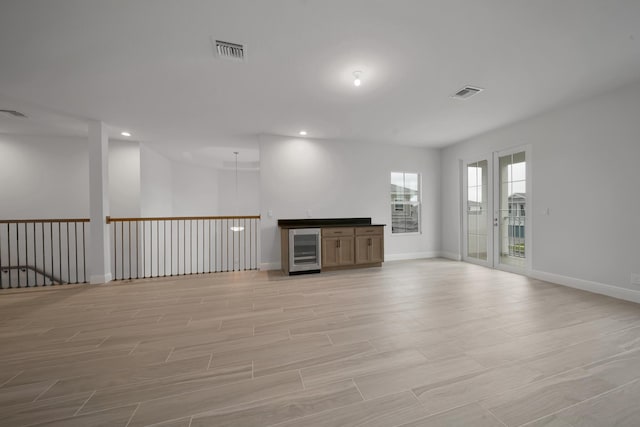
point(450, 255)
point(266, 266)
point(99, 279)
point(411, 255)
point(586, 285)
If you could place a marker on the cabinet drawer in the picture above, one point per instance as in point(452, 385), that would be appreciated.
point(360, 231)
point(337, 231)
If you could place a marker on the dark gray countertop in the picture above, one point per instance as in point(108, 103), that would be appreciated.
point(327, 222)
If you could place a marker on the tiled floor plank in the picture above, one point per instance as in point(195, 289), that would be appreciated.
point(422, 342)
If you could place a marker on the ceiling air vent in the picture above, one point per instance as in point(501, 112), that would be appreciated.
point(13, 113)
point(467, 92)
point(228, 50)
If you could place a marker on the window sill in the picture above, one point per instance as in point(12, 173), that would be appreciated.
point(418, 233)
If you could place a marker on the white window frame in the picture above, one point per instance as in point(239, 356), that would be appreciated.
point(394, 203)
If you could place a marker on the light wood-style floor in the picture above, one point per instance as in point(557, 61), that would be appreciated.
point(417, 343)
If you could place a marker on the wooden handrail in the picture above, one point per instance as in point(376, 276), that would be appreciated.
point(29, 221)
point(179, 218)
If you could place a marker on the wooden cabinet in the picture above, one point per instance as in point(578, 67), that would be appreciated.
point(345, 242)
point(347, 246)
point(369, 245)
point(337, 247)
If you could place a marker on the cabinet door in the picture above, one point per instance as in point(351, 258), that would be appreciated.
point(330, 252)
point(337, 251)
point(377, 249)
point(346, 250)
point(369, 249)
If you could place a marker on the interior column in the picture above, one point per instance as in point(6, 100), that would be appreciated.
point(99, 253)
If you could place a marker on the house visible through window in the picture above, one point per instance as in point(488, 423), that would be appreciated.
point(405, 202)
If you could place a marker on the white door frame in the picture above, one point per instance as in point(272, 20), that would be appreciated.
point(528, 221)
point(493, 244)
point(465, 225)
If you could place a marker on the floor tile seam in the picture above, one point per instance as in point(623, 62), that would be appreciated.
point(609, 332)
point(304, 387)
point(134, 348)
point(144, 382)
point(103, 341)
point(634, 326)
point(222, 408)
point(324, 411)
point(43, 392)
point(132, 415)
point(353, 380)
point(94, 350)
point(350, 358)
point(169, 355)
point(11, 379)
point(478, 373)
point(613, 356)
point(305, 359)
point(199, 389)
point(597, 396)
point(210, 361)
point(73, 336)
point(532, 357)
point(330, 340)
point(397, 410)
point(84, 403)
point(440, 412)
point(470, 354)
point(492, 414)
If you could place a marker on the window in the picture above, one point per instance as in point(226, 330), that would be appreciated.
point(405, 202)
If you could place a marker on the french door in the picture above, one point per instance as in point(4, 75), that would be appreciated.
point(477, 236)
point(496, 200)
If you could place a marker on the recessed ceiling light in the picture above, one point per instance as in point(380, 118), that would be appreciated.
point(303, 133)
point(356, 81)
point(125, 133)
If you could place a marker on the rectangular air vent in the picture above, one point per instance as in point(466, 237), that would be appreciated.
point(228, 50)
point(13, 113)
point(467, 92)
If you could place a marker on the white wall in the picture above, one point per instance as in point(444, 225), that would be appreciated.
point(332, 179)
point(194, 189)
point(43, 177)
point(124, 178)
point(248, 200)
point(156, 198)
point(48, 176)
point(585, 171)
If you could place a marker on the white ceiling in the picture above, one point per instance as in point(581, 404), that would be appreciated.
point(148, 66)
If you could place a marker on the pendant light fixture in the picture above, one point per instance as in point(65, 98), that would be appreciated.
point(356, 81)
point(236, 227)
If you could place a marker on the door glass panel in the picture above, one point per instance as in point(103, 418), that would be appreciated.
point(512, 209)
point(477, 205)
point(305, 249)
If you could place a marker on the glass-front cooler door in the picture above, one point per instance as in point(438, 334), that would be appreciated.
point(304, 249)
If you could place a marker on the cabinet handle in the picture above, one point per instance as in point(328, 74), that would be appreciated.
point(337, 243)
point(369, 242)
